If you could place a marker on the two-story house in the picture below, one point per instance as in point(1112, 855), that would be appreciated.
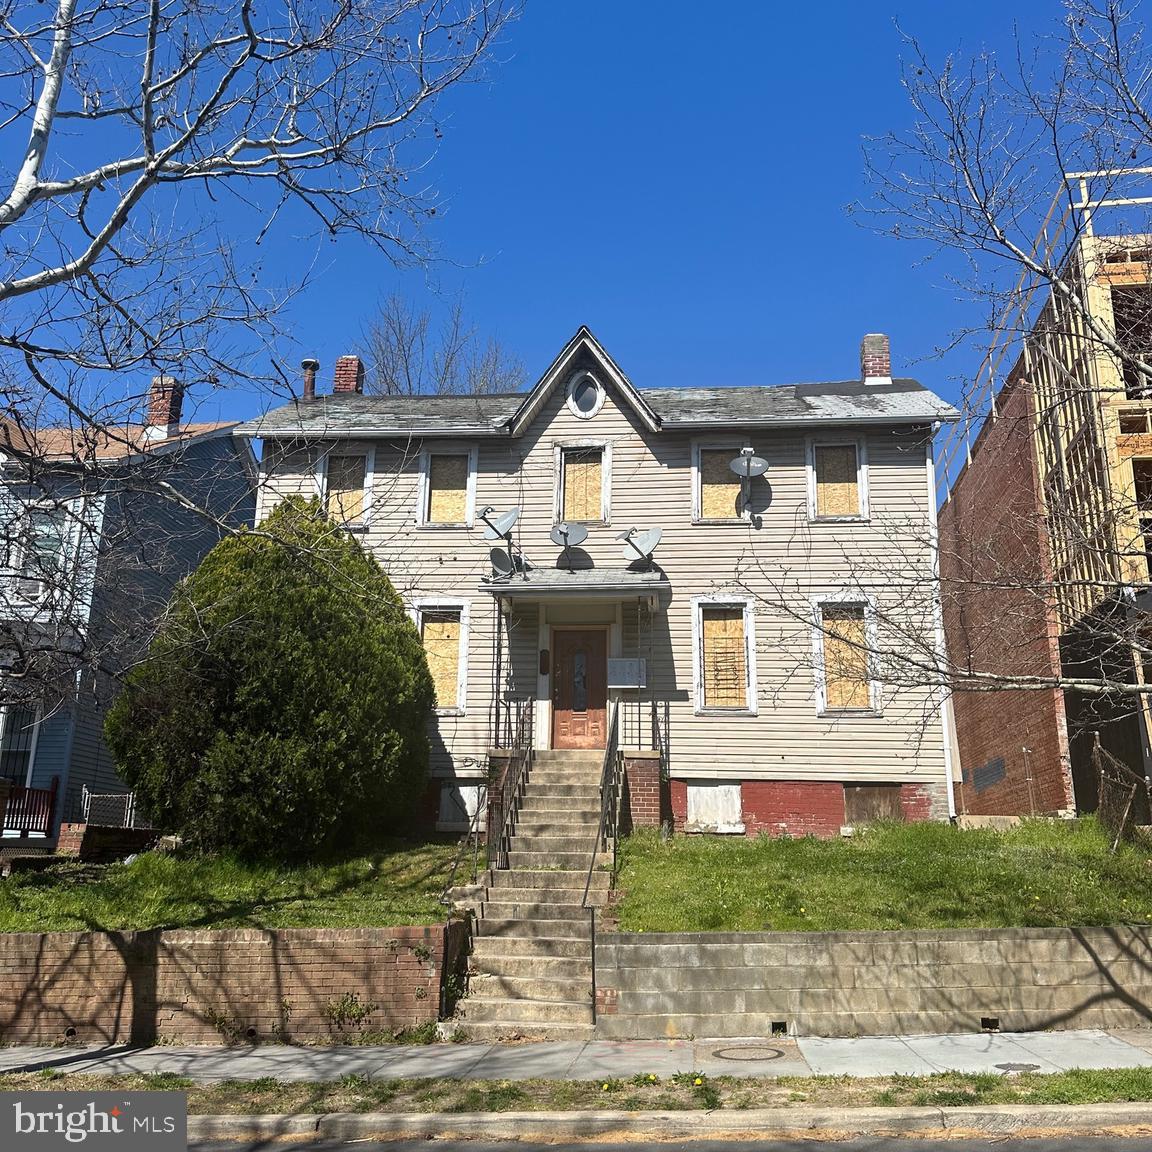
point(99, 524)
point(621, 559)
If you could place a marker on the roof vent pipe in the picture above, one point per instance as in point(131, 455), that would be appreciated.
point(310, 367)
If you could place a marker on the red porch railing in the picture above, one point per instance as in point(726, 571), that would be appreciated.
point(31, 809)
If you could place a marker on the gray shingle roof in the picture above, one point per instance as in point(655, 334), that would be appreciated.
point(350, 414)
point(849, 401)
point(846, 402)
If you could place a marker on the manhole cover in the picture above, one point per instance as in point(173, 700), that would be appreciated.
point(1018, 1067)
point(748, 1052)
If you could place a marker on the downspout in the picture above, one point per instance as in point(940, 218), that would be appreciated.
point(938, 617)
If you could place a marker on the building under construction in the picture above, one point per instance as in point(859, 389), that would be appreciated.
point(1046, 521)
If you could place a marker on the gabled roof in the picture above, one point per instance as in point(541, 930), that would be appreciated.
point(554, 378)
point(103, 442)
point(899, 401)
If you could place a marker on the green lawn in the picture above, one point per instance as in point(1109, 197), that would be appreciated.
point(1040, 874)
point(400, 884)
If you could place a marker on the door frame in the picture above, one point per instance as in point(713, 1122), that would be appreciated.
point(552, 630)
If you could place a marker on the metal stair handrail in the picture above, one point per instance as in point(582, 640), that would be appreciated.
point(610, 783)
point(502, 798)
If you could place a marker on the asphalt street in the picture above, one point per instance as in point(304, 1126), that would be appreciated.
point(870, 1144)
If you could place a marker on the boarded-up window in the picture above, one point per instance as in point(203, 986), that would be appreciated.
point(868, 803)
point(447, 489)
point(440, 631)
point(583, 484)
point(845, 656)
point(713, 807)
point(719, 485)
point(837, 489)
point(724, 656)
point(344, 490)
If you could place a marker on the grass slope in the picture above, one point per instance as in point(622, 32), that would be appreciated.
point(400, 884)
point(927, 875)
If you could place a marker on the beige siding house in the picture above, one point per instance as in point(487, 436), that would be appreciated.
point(748, 649)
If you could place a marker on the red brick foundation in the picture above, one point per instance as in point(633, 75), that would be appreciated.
point(313, 985)
point(805, 807)
point(646, 800)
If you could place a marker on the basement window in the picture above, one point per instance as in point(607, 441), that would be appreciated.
point(714, 807)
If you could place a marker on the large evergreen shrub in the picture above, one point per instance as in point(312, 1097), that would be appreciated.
point(282, 708)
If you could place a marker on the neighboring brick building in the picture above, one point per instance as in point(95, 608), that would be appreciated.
point(1046, 537)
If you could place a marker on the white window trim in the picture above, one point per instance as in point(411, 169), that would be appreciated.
point(570, 387)
point(733, 444)
point(423, 491)
point(464, 607)
point(17, 553)
point(4, 713)
point(321, 477)
point(558, 450)
point(875, 695)
point(861, 446)
point(751, 698)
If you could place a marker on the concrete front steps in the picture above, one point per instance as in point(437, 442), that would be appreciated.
point(530, 972)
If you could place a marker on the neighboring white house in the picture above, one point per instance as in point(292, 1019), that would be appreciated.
point(749, 646)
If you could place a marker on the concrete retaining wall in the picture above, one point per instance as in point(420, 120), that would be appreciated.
point(871, 983)
point(203, 987)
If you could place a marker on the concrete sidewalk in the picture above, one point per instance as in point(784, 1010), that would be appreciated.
point(599, 1059)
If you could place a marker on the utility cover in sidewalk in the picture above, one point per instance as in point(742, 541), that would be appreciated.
point(1010, 1068)
point(748, 1052)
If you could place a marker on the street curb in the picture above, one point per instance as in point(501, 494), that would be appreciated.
point(1001, 1119)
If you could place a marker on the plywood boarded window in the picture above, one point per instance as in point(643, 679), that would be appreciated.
point(837, 484)
point(719, 485)
point(344, 488)
point(583, 482)
point(846, 678)
point(869, 803)
point(448, 488)
point(440, 631)
point(724, 656)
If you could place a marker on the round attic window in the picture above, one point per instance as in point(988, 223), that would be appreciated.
point(585, 395)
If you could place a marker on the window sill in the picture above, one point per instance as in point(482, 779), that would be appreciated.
point(437, 527)
point(726, 712)
point(715, 829)
point(359, 528)
point(849, 713)
point(700, 521)
point(839, 519)
point(449, 711)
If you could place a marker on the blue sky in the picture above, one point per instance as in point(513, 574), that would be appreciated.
point(676, 178)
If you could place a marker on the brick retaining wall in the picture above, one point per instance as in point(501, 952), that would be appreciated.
point(203, 987)
point(871, 983)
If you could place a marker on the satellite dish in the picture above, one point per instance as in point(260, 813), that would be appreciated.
point(499, 527)
point(641, 545)
point(747, 464)
point(569, 535)
point(501, 562)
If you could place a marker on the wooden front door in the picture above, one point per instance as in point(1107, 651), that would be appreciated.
point(579, 687)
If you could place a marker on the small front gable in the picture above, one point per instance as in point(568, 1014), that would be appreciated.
point(583, 354)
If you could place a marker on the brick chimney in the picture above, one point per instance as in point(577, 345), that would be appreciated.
point(165, 403)
point(310, 367)
point(875, 359)
point(349, 375)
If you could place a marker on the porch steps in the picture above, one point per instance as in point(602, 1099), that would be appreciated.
point(530, 972)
